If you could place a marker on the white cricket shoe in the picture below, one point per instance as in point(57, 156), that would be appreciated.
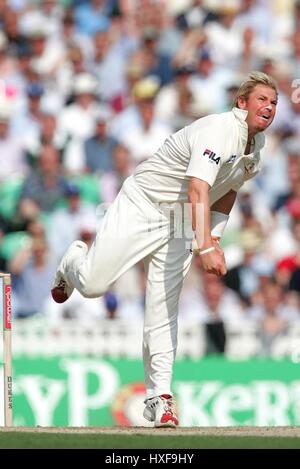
point(161, 410)
point(61, 291)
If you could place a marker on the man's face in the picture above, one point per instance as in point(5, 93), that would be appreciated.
point(261, 107)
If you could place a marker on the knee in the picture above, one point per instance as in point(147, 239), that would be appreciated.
point(88, 292)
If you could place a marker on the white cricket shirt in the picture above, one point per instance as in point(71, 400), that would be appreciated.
point(212, 149)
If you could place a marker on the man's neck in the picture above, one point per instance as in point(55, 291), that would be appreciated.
point(251, 136)
point(250, 142)
point(252, 132)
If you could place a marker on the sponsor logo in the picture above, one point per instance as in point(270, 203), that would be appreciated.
point(212, 156)
point(7, 300)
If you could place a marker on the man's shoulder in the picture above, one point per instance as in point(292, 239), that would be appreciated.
point(215, 119)
point(215, 125)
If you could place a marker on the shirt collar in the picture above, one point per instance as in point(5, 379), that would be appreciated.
point(240, 116)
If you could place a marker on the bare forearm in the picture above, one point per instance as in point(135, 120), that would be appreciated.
point(199, 200)
point(212, 260)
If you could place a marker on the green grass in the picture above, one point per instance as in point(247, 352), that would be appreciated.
point(61, 440)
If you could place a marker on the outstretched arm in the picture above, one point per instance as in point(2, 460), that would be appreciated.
point(211, 255)
point(199, 199)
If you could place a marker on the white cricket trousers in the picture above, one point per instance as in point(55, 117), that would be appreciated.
point(133, 229)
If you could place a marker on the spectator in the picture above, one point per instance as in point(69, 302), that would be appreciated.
point(156, 63)
point(77, 121)
point(47, 55)
point(70, 38)
point(294, 277)
point(295, 123)
point(28, 122)
point(109, 60)
point(148, 135)
point(16, 85)
point(292, 151)
point(32, 270)
point(7, 64)
point(3, 266)
point(92, 16)
point(215, 335)
point(171, 36)
point(15, 38)
point(72, 216)
point(48, 136)
point(141, 89)
point(44, 187)
point(254, 16)
point(288, 267)
point(11, 148)
point(51, 11)
point(36, 230)
point(133, 73)
point(210, 302)
point(174, 101)
point(286, 208)
point(195, 16)
point(74, 64)
point(111, 182)
point(244, 278)
point(224, 39)
point(209, 83)
point(273, 315)
point(98, 149)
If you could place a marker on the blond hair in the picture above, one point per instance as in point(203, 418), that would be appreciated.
point(254, 79)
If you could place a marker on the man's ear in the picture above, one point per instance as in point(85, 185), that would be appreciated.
point(241, 102)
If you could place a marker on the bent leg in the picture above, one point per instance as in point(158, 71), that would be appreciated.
point(166, 269)
point(131, 229)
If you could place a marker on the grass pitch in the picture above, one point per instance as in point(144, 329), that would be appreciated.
point(144, 438)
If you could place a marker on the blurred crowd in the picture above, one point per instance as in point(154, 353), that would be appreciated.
point(88, 89)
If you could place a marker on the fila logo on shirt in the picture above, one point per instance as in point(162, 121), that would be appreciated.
point(212, 156)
